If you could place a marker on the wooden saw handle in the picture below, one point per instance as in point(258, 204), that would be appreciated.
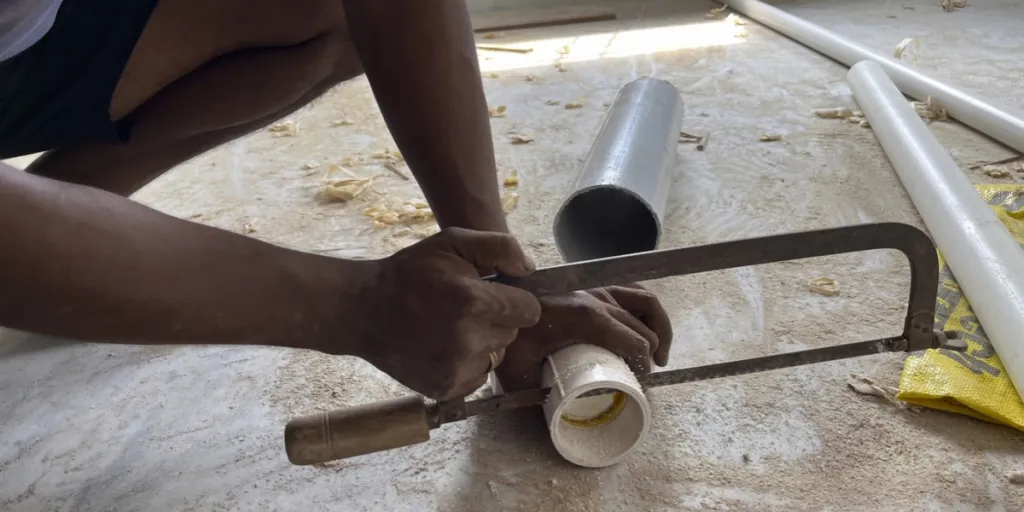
point(353, 431)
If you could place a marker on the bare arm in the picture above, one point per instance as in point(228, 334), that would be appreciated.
point(420, 58)
point(83, 263)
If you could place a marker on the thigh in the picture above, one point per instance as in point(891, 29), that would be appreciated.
point(57, 92)
point(182, 35)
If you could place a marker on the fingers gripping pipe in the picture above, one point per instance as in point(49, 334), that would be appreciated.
point(615, 208)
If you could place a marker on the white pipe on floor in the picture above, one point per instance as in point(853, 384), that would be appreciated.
point(986, 260)
point(996, 122)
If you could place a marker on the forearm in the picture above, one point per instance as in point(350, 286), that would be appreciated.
point(420, 58)
point(81, 263)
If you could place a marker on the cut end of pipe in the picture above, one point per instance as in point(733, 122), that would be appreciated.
point(604, 221)
point(594, 431)
point(599, 431)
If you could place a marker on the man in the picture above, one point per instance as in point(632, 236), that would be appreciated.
point(118, 92)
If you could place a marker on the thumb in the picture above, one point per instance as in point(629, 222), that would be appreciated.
point(494, 253)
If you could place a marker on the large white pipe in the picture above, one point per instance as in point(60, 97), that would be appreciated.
point(986, 260)
point(999, 123)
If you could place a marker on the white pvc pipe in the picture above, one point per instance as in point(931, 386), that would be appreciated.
point(999, 123)
point(593, 431)
point(986, 260)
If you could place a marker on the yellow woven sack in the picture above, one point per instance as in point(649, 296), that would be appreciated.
point(973, 382)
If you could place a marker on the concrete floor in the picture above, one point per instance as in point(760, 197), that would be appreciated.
point(101, 427)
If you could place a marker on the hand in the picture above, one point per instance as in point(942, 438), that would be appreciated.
point(429, 321)
point(627, 320)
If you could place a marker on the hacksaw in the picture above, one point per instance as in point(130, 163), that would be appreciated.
point(404, 421)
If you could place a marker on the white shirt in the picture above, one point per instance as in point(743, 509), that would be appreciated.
point(23, 23)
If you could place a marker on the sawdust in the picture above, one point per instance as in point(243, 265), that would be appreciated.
point(563, 50)
point(824, 286)
point(952, 5)
point(930, 109)
point(572, 105)
point(735, 20)
point(773, 137)
point(512, 180)
point(286, 128)
point(497, 112)
point(509, 201)
point(520, 138)
point(867, 386)
point(902, 46)
point(491, 75)
point(993, 171)
point(717, 13)
point(836, 113)
point(345, 189)
point(342, 122)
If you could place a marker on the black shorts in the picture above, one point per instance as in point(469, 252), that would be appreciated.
point(57, 92)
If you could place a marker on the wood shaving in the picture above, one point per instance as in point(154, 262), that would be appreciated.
point(391, 211)
point(1015, 477)
point(512, 180)
point(491, 75)
point(703, 142)
point(529, 78)
point(561, 67)
point(735, 20)
point(508, 49)
point(496, 112)
point(287, 128)
point(741, 33)
point(552, 102)
point(770, 138)
point(343, 122)
point(717, 13)
point(994, 171)
point(249, 227)
point(346, 189)
point(509, 201)
point(867, 386)
point(689, 137)
point(834, 113)
point(930, 109)
point(824, 286)
point(951, 5)
point(563, 50)
point(494, 35)
point(854, 119)
point(902, 47)
point(312, 164)
point(388, 156)
point(396, 171)
point(519, 138)
point(575, 104)
point(865, 124)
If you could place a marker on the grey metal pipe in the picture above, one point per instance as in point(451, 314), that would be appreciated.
point(619, 197)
